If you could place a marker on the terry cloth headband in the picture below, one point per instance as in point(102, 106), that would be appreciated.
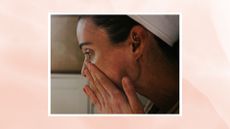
point(166, 27)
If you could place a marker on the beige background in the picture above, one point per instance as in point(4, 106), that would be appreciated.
point(24, 64)
point(66, 57)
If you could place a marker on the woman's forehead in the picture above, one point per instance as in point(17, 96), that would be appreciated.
point(87, 31)
point(85, 26)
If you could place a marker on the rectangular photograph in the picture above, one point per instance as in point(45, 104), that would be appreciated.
point(114, 64)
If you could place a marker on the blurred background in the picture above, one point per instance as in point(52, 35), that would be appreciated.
point(66, 61)
point(66, 57)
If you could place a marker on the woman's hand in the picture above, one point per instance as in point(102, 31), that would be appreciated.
point(106, 96)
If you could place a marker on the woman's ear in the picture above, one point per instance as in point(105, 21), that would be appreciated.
point(137, 41)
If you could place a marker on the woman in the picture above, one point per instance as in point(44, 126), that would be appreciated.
point(122, 57)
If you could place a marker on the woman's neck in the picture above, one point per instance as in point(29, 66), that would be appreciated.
point(160, 83)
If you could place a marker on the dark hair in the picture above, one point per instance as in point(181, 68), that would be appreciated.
point(172, 52)
point(117, 26)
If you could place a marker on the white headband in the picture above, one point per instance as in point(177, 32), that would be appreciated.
point(166, 27)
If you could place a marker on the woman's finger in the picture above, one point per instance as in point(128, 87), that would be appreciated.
point(130, 92)
point(103, 93)
point(98, 92)
point(103, 81)
point(91, 80)
point(92, 96)
point(94, 80)
point(87, 74)
point(96, 86)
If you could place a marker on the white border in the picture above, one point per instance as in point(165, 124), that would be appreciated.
point(49, 64)
point(114, 115)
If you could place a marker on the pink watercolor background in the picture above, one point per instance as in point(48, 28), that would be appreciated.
point(24, 64)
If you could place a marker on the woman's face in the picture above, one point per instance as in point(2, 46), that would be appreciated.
point(113, 59)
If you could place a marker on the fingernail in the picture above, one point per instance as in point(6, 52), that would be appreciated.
point(84, 72)
point(84, 89)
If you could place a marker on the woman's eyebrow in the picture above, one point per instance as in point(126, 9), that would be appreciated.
point(84, 43)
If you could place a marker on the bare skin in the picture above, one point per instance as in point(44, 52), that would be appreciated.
point(118, 71)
